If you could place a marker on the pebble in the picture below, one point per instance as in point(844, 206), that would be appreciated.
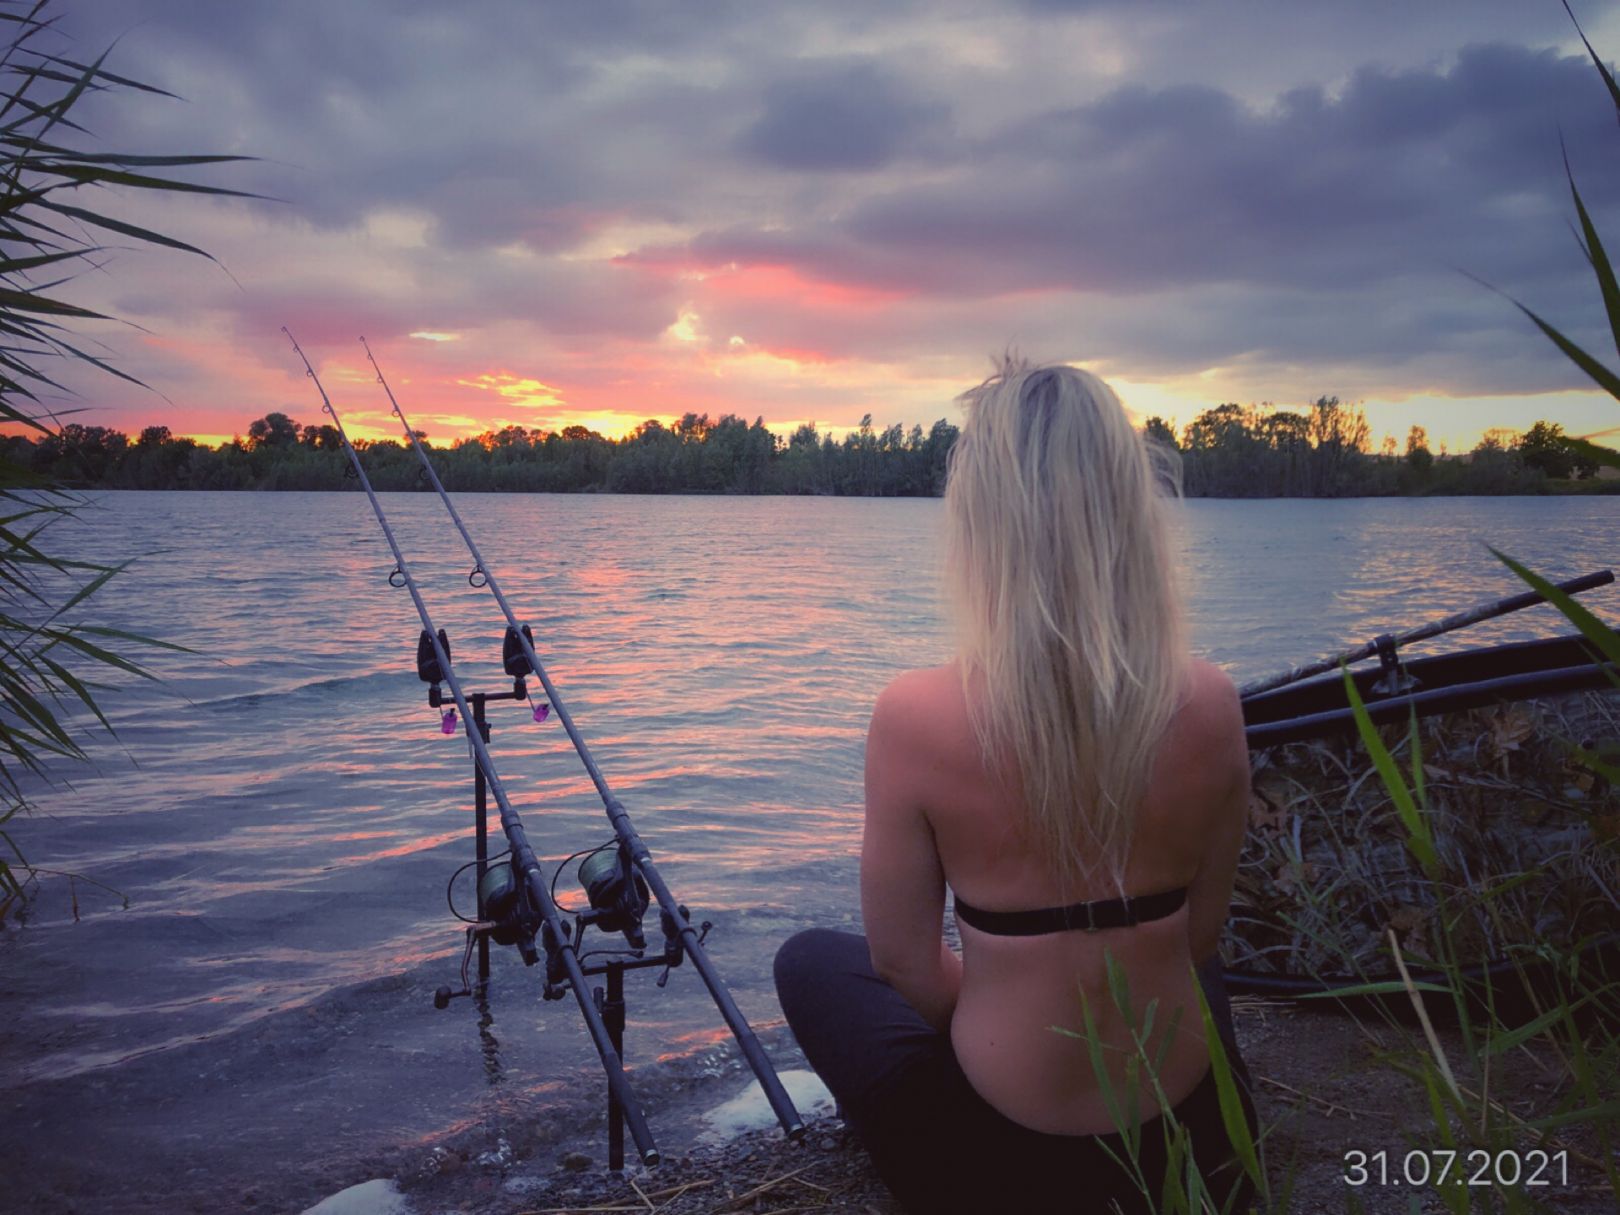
point(578, 1162)
point(828, 1144)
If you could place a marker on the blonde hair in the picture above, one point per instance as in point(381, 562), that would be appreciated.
point(1061, 578)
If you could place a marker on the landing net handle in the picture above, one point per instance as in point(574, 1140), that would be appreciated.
point(1458, 620)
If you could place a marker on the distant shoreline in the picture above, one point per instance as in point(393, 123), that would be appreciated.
point(1227, 452)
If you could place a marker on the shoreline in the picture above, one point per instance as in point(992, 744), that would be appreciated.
point(1324, 1087)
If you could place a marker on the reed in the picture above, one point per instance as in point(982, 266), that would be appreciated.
point(1182, 1188)
point(1391, 868)
point(1517, 834)
point(50, 661)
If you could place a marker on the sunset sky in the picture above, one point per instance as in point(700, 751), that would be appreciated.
point(602, 212)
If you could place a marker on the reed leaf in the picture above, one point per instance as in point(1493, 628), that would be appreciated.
point(1593, 629)
point(40, 647)
point(1603, 69)
point(1419, 839)
point(1592, 245)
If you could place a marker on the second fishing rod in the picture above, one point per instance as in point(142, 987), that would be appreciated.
point(559, 944)
point(519, 634)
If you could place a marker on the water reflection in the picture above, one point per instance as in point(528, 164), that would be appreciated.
point(286, 838)
point(489, 1045)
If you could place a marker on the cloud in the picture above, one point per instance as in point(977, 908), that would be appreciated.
point(1277, 197)
point(838, 115)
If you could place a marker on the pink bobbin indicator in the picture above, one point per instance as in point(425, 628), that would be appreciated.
point(448, 725)
point(542, 711)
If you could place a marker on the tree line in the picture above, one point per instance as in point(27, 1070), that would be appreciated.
point(1227, 451)
point(1324, 451)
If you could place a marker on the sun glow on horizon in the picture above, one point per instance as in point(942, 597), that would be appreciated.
point(518, 390)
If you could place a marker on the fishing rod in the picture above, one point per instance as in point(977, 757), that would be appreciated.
point(1384, 646)
point(561, 952)
point(518, 636)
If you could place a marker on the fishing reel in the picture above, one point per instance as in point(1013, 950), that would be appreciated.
point(617, 893)
point(510, 918)
point(507, 910)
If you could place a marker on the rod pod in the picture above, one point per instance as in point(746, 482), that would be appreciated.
point(558, 940)
point(781, 1103)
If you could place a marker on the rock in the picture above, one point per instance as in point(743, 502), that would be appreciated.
point(525, 1184)
point(498, 1157)
point(378, 1197)
point(828, 1144)
point(576, 1162)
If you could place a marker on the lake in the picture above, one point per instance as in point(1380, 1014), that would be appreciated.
point(283, 813)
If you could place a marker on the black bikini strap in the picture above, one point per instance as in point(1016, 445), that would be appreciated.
point(1104, 913)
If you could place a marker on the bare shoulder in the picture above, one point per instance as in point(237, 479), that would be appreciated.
point(1212, 695)
point(911, 692)
point(1213, 714)
point(920, 709)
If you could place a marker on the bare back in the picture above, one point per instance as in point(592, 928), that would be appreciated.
point(1014, 990)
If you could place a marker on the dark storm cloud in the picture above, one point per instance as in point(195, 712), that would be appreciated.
point(1150, 187)
point(495, 119)
point(1168, 187)
point(838, 116)
point(1320, 217)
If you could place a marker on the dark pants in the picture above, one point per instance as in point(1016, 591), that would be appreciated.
point(936, 1143)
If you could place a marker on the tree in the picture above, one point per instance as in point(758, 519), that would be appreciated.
point(1338, 441)
point(321, 438)
point(1159, 431)
point(1418, 456)
point(273, 430)
point(1544, 447)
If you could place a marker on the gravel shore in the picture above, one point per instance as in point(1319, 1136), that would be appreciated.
point(1324, 1087)
point(758, 1171)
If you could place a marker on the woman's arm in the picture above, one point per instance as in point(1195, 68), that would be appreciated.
point(1210, 896)
point(902, 883)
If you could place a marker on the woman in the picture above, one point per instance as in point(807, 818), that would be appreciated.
point(1081, 785)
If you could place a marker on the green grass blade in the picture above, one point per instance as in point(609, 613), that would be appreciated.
point(123, 229)
point(1418, 839)
point(1600, 374)
point(1591, 1113)
point(1233, 1116)
point(103, 656)
point(78, 688)
point(1605, 456)
point(1597, 257)
point(1384, 987)
point(96, 630)
point(1603, 70)
point(1587, 759)
point(1593, 629)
